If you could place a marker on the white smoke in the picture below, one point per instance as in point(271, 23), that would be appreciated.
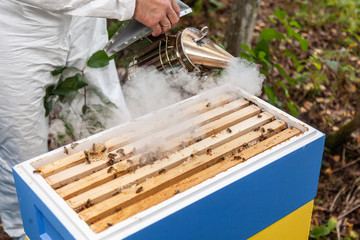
point(148, 89)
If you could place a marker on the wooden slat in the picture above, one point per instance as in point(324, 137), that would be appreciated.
point(102, 176)
point(191, 181)
point(106, 190)
point(131, 135)
point(174, 175)
point(84, 169)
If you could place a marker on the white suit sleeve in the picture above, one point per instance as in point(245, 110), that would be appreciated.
point(115, 9)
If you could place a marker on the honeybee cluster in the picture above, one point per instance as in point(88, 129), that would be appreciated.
point(96, 153)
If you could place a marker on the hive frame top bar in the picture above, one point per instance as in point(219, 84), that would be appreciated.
point(79, 228)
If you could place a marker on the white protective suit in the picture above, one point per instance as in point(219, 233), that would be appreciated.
point(36, 37)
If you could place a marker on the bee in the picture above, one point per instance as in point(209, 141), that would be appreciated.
point(208, 105)
point(37, 171)
point(118, 209)
point(139, 189)
point(66, 151)
point(262, 129)
point(120, 151)
point(110, 169)
point(222, 159)
point(104, 149)
point(88, 203)
point(198, 139)
point(110, 162)
point(112, 155)
point(256, 129)
point(86, 153)
point(271, 130)
point(73, 145)
point(94, 153)
point(192, 155)
point(130, 161)
point(177, 191)
point(208, 151)
point(238, 158)
point(162, 171)
point(93, 147)
point(245, 145)
point(114, 176)
point(79, 209)
point(259, 116)
point(109, 224)
point(262, 137)
point(228, 130)
point(116, 193)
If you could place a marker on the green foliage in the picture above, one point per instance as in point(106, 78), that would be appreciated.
point(113, 27)
point(261, 54)
point(318, 232)
point(69, 85)
point(98, 60)
point(67, 89)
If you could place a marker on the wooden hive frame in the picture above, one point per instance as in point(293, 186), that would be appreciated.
point(208, 137)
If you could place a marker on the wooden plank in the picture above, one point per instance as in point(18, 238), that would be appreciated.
point(117, 142)
point(176, 174)
point(69, 175)
point(207, 130)
point(191, 181)
point(106, 190)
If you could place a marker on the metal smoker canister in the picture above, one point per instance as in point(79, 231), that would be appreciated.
point(189, 48)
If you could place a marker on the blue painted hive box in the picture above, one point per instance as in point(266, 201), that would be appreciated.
point(220, 165)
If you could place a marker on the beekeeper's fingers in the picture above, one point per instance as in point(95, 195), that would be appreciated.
point(156, 30)
point(165, 25)
point(153, 13)
point(176, 7)
point(173, 17)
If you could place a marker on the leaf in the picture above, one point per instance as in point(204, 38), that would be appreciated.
point(197, 7)
point(280, 14)
point(58, 71)
point(332, 223)
point(246, 56)
point(114, 26)
point(282, 85)
point(295, 24)
point(292, 107)
point(293, 57)
point(48, 105)
point(319, 231)
point(271, 95)
point(218, 4)
point(290, 80)
point(262, 46)
point(70, 84)
point(317, 65)
point(304, 44)
point(98, 60)
point(248, 49)
point(270, 34)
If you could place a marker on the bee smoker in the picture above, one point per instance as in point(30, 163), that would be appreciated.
point(189, 48)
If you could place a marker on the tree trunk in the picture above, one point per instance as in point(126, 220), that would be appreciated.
point(241, 24)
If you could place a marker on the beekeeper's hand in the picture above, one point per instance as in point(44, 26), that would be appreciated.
point(159, 15)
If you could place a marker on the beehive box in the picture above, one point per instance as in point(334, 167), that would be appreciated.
point(220, 165)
